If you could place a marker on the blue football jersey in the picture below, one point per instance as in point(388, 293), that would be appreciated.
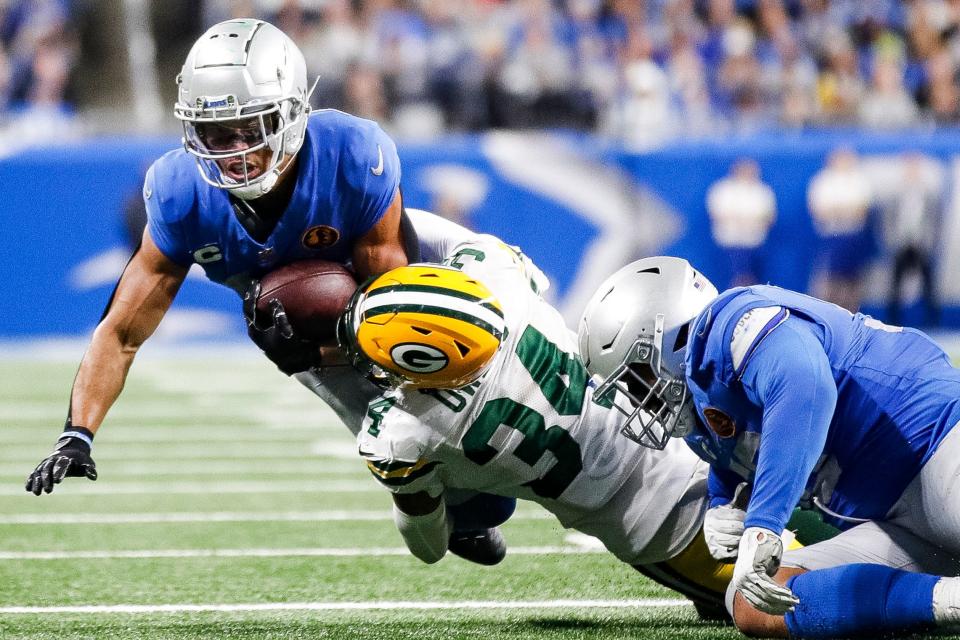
point(347, 176)
point(804, 398)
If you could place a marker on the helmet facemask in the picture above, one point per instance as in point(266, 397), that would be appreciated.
point(346, 333)
point(220, 135)
point(633, 338)
point(655, 400)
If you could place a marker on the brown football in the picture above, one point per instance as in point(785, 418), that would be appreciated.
point(313, 293)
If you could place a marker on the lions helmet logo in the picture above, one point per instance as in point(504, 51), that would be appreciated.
point(719, 422)
point(216, 102)
point(419, 358)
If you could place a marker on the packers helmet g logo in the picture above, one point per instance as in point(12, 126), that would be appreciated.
point(419, 358)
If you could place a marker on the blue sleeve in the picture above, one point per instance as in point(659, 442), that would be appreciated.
point(371, 168)
point(789, 376)
point(166, 234)
point(721, 485)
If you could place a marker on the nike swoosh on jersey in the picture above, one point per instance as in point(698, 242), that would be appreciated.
point(377, 170)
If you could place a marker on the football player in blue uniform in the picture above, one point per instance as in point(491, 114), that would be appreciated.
point(260, 182)
point(809, 404)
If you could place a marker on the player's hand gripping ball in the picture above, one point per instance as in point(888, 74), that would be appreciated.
point(291, 311)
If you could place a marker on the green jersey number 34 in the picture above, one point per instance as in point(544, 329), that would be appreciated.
point(563, 380)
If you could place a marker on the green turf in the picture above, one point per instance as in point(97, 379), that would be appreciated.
point(186, 427)
point(306, 579)
point(63, 501)
point(201, 535)
point(653, 624)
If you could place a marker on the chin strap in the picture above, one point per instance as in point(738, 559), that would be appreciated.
point(254, 191)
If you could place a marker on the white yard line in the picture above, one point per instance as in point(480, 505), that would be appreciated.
point(201, 434)
point(107, 489)
point(225, 469)
point(346, 552)
point(353, 606)
point(189, 409)
point(219, 516)
point(157, 452)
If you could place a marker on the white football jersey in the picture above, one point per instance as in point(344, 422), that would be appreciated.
point(529, 428)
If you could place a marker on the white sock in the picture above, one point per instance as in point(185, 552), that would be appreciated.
point(427, 535)
point(946, 602)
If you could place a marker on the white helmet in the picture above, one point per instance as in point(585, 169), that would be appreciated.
point(633, 338)
point(243, 88)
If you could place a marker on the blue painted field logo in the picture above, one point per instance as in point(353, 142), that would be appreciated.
point(419, 358)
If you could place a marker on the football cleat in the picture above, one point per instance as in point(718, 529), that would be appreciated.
point(484, 546)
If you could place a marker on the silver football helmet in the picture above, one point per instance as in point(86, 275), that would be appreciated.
point(243, 88)
point(633, 338)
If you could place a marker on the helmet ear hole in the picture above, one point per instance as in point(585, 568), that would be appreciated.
point(683, 334)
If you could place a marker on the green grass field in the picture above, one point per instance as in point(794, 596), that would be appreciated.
point(231, 504)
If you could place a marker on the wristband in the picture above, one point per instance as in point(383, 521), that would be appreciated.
point(80, 433)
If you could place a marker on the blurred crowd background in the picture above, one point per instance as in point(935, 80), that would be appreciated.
point(639, 71)
point(638, 74)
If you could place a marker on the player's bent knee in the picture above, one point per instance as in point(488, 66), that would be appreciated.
point(756, 624)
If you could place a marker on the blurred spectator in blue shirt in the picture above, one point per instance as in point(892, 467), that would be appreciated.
point(35, 72)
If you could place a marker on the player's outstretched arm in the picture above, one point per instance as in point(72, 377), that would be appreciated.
point(381, 248)
point(144, 293)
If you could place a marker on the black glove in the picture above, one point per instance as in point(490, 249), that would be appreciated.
point(291, 353)
point(70, 458)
